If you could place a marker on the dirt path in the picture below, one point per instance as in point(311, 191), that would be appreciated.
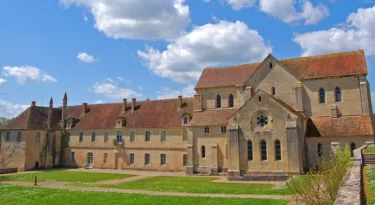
point(63, 185)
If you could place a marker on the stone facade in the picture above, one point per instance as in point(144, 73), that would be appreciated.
point(258, 121)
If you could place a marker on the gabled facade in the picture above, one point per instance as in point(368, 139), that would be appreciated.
point(253, 121)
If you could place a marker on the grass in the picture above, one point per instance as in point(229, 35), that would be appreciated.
point(369, 150)
point(64, 176)
point(369, 184)
point(14, 195)
point(196, 185)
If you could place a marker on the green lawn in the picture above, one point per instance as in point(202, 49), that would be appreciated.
point(196, 185)
point(369, 184)
point(369, 150)
point(64, 176)
point(14, 195)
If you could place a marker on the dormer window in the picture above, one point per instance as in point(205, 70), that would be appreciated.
point(121, 122)
point(69, 125)
point(185, 120)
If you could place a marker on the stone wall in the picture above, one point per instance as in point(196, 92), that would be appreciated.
point(350, 191)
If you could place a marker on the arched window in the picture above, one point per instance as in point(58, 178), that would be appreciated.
point(249, 150)
point(273, 90)
point(203, 152)
point(277, 150)
point(218, 101)
point(320, 150)
point(231, 101)
point(352, 148)
point(322, 95)
point(263, 150)
point(338, 94)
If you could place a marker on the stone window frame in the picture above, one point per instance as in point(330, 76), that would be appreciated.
point(147, 159)
point(163, 159)
point(81, 137)
point(218, 101)
point(7, 137)
point(147, 137)
point(207, 130)
point(278, 153)
point(106, 134)
point(131, 158)
point(185, 159)
point(185, 120)
point(90, 158)
point(93, 136)
point(322, 96)
point(250, 154)
point(37, 137)
point(183, 135)
point(338, 94)
point(19, 136)
point(119, 135)
point(161, 136)
point(223, 129)
point(132, 136)
point(231, 100)
point(203, 152)
point(263, 150)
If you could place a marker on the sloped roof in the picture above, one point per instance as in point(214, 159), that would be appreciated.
point(212, 117)
point(148, 114)
point(34, 118)
point(330, 65)
point(341, 126)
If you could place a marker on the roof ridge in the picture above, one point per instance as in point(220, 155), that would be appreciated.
point(323, 55)
point(143, 101)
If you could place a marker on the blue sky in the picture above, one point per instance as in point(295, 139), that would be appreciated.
point(105, 50)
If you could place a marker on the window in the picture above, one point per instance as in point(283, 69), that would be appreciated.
point(249, 150)
point(105, 136)
point(73, 157)
point(203, 152)
point(260, 99)
point(163, 136)
point(147, 136)
point(7, 138)
point(132, 136)
point(81, 137)
point(93, 135)
point(223, 129)
point(271, 65)
point(206, 130)
point(231, 101)
point(322, 95)
point(105, 158)
point(37, 137)
point(19, 137)
point(352, 148)
point(119, 137)
point(262, 120)
point(184, 159)
point(123, 123)
point(185, 135)
point(67, 137)
point(263, 150)
point(131, 158)
point(277, 150)
point(338, 94)
point(163, 159)
point(218, 101)
point(147, 159)
point(320, 150)
point(185, 120)
point(273, 91)
point(90, 157)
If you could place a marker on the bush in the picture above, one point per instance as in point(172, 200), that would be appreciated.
point(320, 185)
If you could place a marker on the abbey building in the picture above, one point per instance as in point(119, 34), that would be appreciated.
point(253, 121)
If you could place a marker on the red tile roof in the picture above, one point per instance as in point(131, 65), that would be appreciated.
point(341, 127)
point(338, 64)
point(148, 114)
point(34, 118)
point(212, 117)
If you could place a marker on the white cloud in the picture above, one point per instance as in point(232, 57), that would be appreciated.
point(285, 10)
point(120, 78)
point(358, 32)
point(86, 58)
point(85, 18)
point(10, 110)
point(208, 45)
point(140, 88)
point(27, 74)
point(112, 91)
point(2, 81)
point(99, 102)
point(239, 4)
point(166, 93)
point(137, 19)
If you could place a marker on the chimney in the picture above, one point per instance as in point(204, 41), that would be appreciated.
point(133, 104)
point(179, 102)
point(33, 104)
point(124, 104)
point(84, 108)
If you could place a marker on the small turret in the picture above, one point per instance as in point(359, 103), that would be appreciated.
point(64, 111)
point(50, 113)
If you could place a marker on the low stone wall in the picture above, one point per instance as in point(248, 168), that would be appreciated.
point(8, 170)
point(351, 190)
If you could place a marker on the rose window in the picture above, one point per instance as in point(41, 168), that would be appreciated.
point(262, 120)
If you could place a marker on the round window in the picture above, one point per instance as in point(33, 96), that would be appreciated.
point(262, 120)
